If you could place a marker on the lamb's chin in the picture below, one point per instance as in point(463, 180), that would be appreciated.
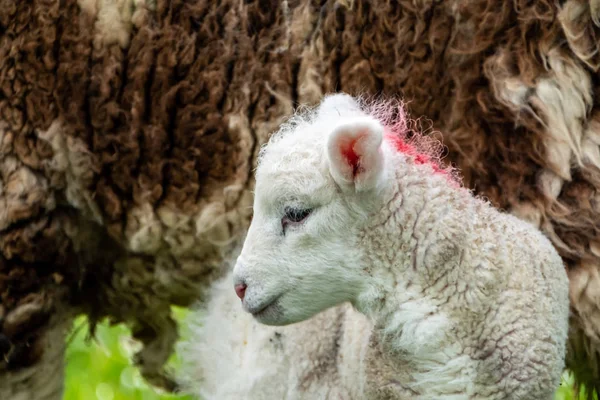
point(272, 314)
point(276, 314)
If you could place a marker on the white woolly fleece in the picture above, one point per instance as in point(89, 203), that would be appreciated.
point(450, 298)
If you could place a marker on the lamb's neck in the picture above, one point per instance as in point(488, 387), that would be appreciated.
point(400, 260)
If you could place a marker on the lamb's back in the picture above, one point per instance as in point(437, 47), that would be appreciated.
point(520, 341)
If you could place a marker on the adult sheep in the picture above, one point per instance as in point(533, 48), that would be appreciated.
point(129, 130)
point(464, 301)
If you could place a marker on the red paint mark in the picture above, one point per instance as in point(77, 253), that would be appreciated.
point(422, 150)
point(399, 144)
point(408, 149)
point(421, 159)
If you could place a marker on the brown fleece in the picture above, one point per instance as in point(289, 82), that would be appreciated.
point(127, 150)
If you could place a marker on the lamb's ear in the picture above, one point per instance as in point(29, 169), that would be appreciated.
point(354, 153)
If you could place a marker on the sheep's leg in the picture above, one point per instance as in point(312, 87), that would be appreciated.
point(44, 379)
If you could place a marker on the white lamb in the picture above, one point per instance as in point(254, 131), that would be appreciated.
point(450, 298)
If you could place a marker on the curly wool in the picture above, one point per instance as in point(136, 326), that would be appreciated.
point(129, 130)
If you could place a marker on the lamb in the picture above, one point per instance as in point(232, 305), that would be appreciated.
point(129, 130)
point(451, 298)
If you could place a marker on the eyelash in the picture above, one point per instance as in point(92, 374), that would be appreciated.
point(294, 216)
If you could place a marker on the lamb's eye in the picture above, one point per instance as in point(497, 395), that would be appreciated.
point(294, 216)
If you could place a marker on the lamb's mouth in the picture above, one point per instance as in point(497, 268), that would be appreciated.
point(265, 308)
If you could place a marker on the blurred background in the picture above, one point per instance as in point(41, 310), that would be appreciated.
point(102, 368)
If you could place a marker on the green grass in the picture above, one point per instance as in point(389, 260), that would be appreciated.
point(102, 369)
point(565, 391)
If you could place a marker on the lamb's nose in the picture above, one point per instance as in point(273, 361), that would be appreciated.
point(240, 290)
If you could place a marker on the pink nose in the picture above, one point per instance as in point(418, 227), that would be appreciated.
point(240, 290)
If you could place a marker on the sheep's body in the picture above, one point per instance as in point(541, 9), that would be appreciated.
point(129, 130)
point(467, 302)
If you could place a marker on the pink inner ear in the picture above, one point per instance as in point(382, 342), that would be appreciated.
point(353, 159)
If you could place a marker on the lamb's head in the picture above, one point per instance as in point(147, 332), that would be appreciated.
point(318, 183)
